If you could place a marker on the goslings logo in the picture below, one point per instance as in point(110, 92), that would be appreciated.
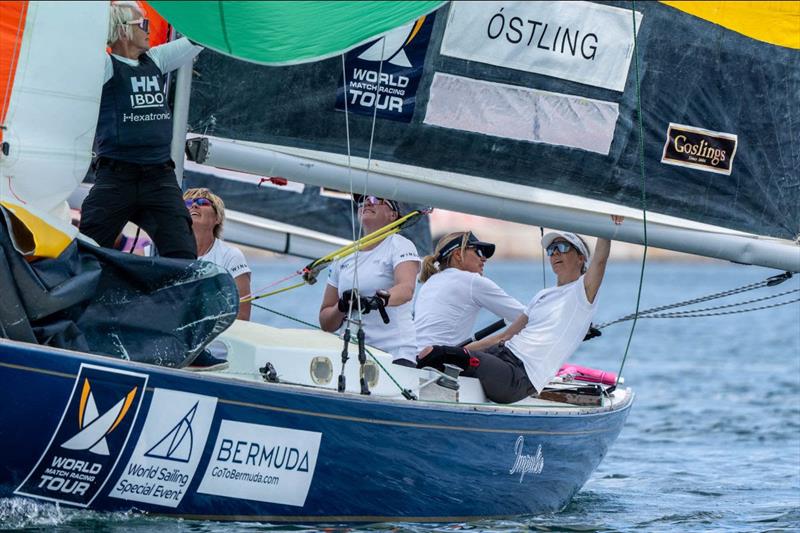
point(385, 73)
point(691, 147)
point(93, 431)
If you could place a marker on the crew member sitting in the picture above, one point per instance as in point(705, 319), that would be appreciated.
point(134, 173)
point(522, 360)
point(208, 219)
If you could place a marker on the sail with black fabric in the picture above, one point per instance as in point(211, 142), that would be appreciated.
point(529, 113)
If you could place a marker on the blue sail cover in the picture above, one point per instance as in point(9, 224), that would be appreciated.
point(544, 94)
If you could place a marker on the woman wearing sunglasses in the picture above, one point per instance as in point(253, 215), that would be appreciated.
point(134, 176)
point(454, 291)
point(522, 360)
point(207, 211)
point(386, 270)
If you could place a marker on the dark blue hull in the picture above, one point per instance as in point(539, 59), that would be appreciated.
point(110, 435)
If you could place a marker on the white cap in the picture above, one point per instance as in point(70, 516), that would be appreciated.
point(571, 238)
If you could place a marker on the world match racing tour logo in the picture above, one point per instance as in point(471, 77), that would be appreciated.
point(383, 75)
point(93, 431)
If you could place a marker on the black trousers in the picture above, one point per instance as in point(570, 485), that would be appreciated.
point(148, 196)
point(502, 375)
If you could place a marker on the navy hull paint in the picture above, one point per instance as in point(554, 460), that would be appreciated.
point(377, 459)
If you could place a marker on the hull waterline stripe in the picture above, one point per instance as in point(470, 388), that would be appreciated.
point(335, 518)
point(354, 418)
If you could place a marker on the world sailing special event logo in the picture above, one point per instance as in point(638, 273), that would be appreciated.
point(691, 147)
point(262, 463)
point(526, 463)
point(93, 431)
point(165, 458)
point(385, 73)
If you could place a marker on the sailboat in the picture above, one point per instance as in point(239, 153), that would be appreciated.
point(272, 439)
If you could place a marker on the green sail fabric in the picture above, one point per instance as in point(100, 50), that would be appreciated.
point(285, 33)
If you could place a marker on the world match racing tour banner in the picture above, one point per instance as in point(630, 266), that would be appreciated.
point(544, 94)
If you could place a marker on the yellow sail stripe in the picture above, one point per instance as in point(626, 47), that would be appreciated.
point(772, 22)
point(35, 236)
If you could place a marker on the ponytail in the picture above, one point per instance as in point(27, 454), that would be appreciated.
point(433, 264)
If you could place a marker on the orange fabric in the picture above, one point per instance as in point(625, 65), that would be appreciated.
point(159, 28)
point(12, 24)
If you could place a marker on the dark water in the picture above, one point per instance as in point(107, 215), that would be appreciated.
point(712, 443)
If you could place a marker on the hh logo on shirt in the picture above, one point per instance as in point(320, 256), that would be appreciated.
point(146, 92)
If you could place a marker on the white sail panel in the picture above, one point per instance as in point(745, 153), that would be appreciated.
point(579, 41)
point(54, 102)
point(520, 113)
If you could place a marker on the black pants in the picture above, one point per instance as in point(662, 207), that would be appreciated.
point(148, 196)
point(502, 375)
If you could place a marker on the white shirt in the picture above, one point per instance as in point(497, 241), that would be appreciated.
point(558, 319)
point(167, 57)
point(449, 302)
point(375, 272)
point(228, 257)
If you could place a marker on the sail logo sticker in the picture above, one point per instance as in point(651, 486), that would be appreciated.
point(90, 437)
point(710, 151)
point(526, 463)
point(584, 42)
point(262, 463)
point(383, 75)
point(170, 446)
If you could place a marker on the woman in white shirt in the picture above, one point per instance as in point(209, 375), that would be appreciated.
point(454, 291)
point(208, 218)
point(520, 361)
point(386, 270)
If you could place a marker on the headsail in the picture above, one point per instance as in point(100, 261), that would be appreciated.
point(719, 110)
point(50, 99)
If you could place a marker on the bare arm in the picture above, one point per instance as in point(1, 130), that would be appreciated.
point(597, 268)
point(243, 286)
point(330, 318)
point(503, 336)
point(405, 278)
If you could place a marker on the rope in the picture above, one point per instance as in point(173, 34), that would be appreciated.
point(752, 286)
point(644, 195)
point(314, 326)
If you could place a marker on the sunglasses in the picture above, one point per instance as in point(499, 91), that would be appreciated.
point(374, 200)
point(143, 23)
point(478, 251)
point(562, 247)
point(202, 202)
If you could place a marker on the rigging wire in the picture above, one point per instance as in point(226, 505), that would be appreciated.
point(644, 195)
point(544, 278)
point(405, 392)
point(769, 282)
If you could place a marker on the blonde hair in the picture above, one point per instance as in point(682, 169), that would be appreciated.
point(431, 264)
point(120, 14)
point(216, 203)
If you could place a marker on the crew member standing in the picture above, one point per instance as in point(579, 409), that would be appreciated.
point(134, 173)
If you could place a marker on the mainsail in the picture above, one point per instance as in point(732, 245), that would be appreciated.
point(535, 104)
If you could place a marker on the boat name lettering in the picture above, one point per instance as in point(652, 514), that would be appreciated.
point(513, 29)
point(259, 454)
point(526, 464)
point(701, 149)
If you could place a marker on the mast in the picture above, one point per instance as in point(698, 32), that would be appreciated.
point(662, 232)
